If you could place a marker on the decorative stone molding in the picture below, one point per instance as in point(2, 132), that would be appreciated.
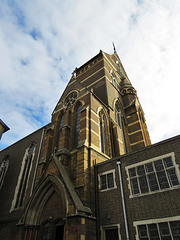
point(128, 90)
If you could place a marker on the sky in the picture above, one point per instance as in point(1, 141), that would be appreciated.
point(42, 42)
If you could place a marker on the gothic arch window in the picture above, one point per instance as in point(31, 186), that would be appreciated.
point(118, 115)
point(103, 132)
point(3, 170)
point(77, 124)
point(24, 176)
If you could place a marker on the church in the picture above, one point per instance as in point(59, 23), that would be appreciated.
point(92, 172)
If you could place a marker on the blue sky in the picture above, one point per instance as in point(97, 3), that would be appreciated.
point(41, 43)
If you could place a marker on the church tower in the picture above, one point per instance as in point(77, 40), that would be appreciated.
point(97, 118)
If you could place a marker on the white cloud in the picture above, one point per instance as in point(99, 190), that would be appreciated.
point(41, 42)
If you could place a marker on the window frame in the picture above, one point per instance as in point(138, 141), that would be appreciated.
point(155, 172)
point(3, 170)
point(109, 227)
point(148, 222)
point(23, 178)
point(106, 174)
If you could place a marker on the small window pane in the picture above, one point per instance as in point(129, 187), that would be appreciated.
point(162, 180)
point(175, 228)
point(143, 184)
point(173, 177)
point(158, 165)
point(164, 231)
point(31, 149)
point(168, 162)
point(153, 182)
point(110, 180)
point(143, 235)
point(134, 185)
point(149, 168)
point(153, 232)
point(132, 172)
point(141, 170)
point(103, 182)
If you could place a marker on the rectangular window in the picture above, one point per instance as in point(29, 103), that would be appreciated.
point(107, 180)
point(163, 230)
point(153, 175)
point(110, 232)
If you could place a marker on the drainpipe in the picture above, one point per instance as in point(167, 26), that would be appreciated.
point(123, 200)
point(40, 146)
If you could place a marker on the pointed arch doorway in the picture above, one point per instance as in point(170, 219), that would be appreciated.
point(45, 218)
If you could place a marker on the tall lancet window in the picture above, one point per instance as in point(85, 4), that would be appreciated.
point(103, 132)
point(119, 122)
point(24, 177)
point(61, 124)
point(118, 115)
point(77, 125)
point(3, 170)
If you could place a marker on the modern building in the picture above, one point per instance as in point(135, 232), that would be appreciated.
point(92, 172)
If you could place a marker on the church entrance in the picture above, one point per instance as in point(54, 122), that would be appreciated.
point(52, 231)
point(59, 232)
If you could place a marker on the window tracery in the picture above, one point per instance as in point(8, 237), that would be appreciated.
point(70, 99)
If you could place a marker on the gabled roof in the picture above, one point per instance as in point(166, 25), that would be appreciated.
point(6, 128)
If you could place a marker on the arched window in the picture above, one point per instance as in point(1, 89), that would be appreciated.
point(3, 170)
point(24, 176)
point(103, 132)
point(77, 125)
point(118, 115)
